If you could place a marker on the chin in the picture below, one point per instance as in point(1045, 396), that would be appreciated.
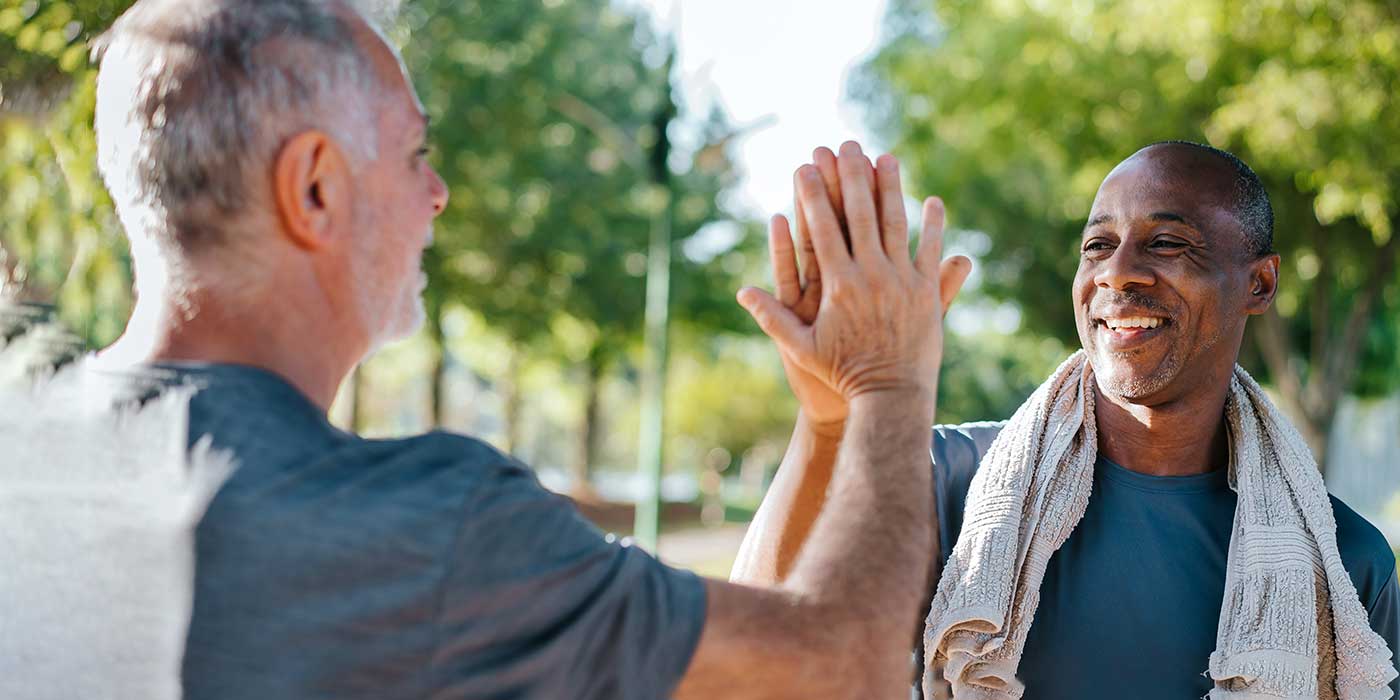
point(1127, 378)
point(406, 321)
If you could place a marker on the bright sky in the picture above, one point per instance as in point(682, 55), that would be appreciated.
point(781, 62)
point(787, 64)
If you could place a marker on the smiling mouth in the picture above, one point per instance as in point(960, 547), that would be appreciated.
point(1126, 331)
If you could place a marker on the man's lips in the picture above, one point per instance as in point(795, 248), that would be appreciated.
point(1126, 331)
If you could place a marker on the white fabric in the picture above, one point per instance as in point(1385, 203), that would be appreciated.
point(1291, 625)
point(98, 509)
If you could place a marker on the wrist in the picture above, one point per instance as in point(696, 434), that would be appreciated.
point(903, 400)
point(828, 430)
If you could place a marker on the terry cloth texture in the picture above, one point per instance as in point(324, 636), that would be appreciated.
point(1291, 626)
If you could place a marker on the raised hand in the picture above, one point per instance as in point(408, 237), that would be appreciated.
point(866, 318)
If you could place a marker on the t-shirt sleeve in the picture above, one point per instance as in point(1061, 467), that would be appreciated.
point(956, 451)
point(538, 603)
point(1385, 620)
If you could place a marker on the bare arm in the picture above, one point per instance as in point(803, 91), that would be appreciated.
point(834, 623)
point(790, 507)
point(837, 625)
point(795, 498)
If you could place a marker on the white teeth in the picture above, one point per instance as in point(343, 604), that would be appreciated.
point(1133, 322)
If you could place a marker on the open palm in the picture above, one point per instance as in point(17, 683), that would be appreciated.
point(801, 292)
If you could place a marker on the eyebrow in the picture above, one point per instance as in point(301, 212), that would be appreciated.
point(1154, 216)
point(1170, 216)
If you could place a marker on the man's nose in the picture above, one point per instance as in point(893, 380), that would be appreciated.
point(439, 194)
point(1123, 269)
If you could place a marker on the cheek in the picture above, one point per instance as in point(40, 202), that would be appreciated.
point(1081, 291)
point(1213, 302)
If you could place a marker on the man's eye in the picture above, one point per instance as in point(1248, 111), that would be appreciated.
point(1095, 245)
point(423, 152)
point(1167, 243)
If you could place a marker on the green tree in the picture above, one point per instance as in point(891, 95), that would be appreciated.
point(554, 135)
point(60, 240)
point(1015, 111)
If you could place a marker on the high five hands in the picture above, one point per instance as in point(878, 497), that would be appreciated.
point(862, 318)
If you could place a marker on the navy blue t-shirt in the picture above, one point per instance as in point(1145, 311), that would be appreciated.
point(1132, 598)
point(331, 566)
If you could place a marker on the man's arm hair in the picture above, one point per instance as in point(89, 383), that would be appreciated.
point(837, 624)
point(790, 508)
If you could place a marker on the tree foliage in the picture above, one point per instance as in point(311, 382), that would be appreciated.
point(558, 137)
point(546, 114)
point(1015, 110)
point(60, 239)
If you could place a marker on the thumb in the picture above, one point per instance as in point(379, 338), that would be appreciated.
point(953, 272)
point(777, 321)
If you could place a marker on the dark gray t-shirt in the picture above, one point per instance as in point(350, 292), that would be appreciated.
point(1132, 599)
point(331, 566)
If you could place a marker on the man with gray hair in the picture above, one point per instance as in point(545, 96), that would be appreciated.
point(267, 158)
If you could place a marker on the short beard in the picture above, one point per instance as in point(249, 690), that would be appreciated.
point(389, 313)
point(1137, 388)
point(1133, 388)
point(388, 323)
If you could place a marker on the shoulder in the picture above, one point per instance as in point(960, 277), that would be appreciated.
point(446, 452)
point(496, 496)
point(957, 449)
point(1367, 555)
point(429, 478)
point(444, 464)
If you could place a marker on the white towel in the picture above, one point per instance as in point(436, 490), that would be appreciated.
point(1291, 625)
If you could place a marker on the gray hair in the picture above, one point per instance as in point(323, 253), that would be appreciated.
point(193, 96)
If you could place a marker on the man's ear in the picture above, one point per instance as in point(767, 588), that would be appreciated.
point(310, 185)
point(1263, 284)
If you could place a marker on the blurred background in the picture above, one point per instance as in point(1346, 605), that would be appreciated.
point(612, 164)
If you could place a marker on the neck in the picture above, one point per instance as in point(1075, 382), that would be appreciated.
point(1175, 438)
point(275, 335)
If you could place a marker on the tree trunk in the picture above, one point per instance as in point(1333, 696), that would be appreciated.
point(437, 373)
point(1312, 389)
point(511, 400)
point(586, 453)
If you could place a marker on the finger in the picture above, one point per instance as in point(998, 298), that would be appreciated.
point(777, 322)
point(780, 249)
point(952, 274)
point(930, 251)
point(861, 218)
point(894, 224)
point(825, 161)
point(874, 187)
point(830, 247)
point(806, 255)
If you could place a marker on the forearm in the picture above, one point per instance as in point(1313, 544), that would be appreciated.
point(837, 626)
point(869, 553)
point(790, 507)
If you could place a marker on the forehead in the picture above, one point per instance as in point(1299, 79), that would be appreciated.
point(403, 111)
point(1168, 179)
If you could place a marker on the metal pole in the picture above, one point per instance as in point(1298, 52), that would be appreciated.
point(646, 529)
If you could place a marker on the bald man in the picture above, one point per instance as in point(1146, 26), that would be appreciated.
point(1176, 255)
